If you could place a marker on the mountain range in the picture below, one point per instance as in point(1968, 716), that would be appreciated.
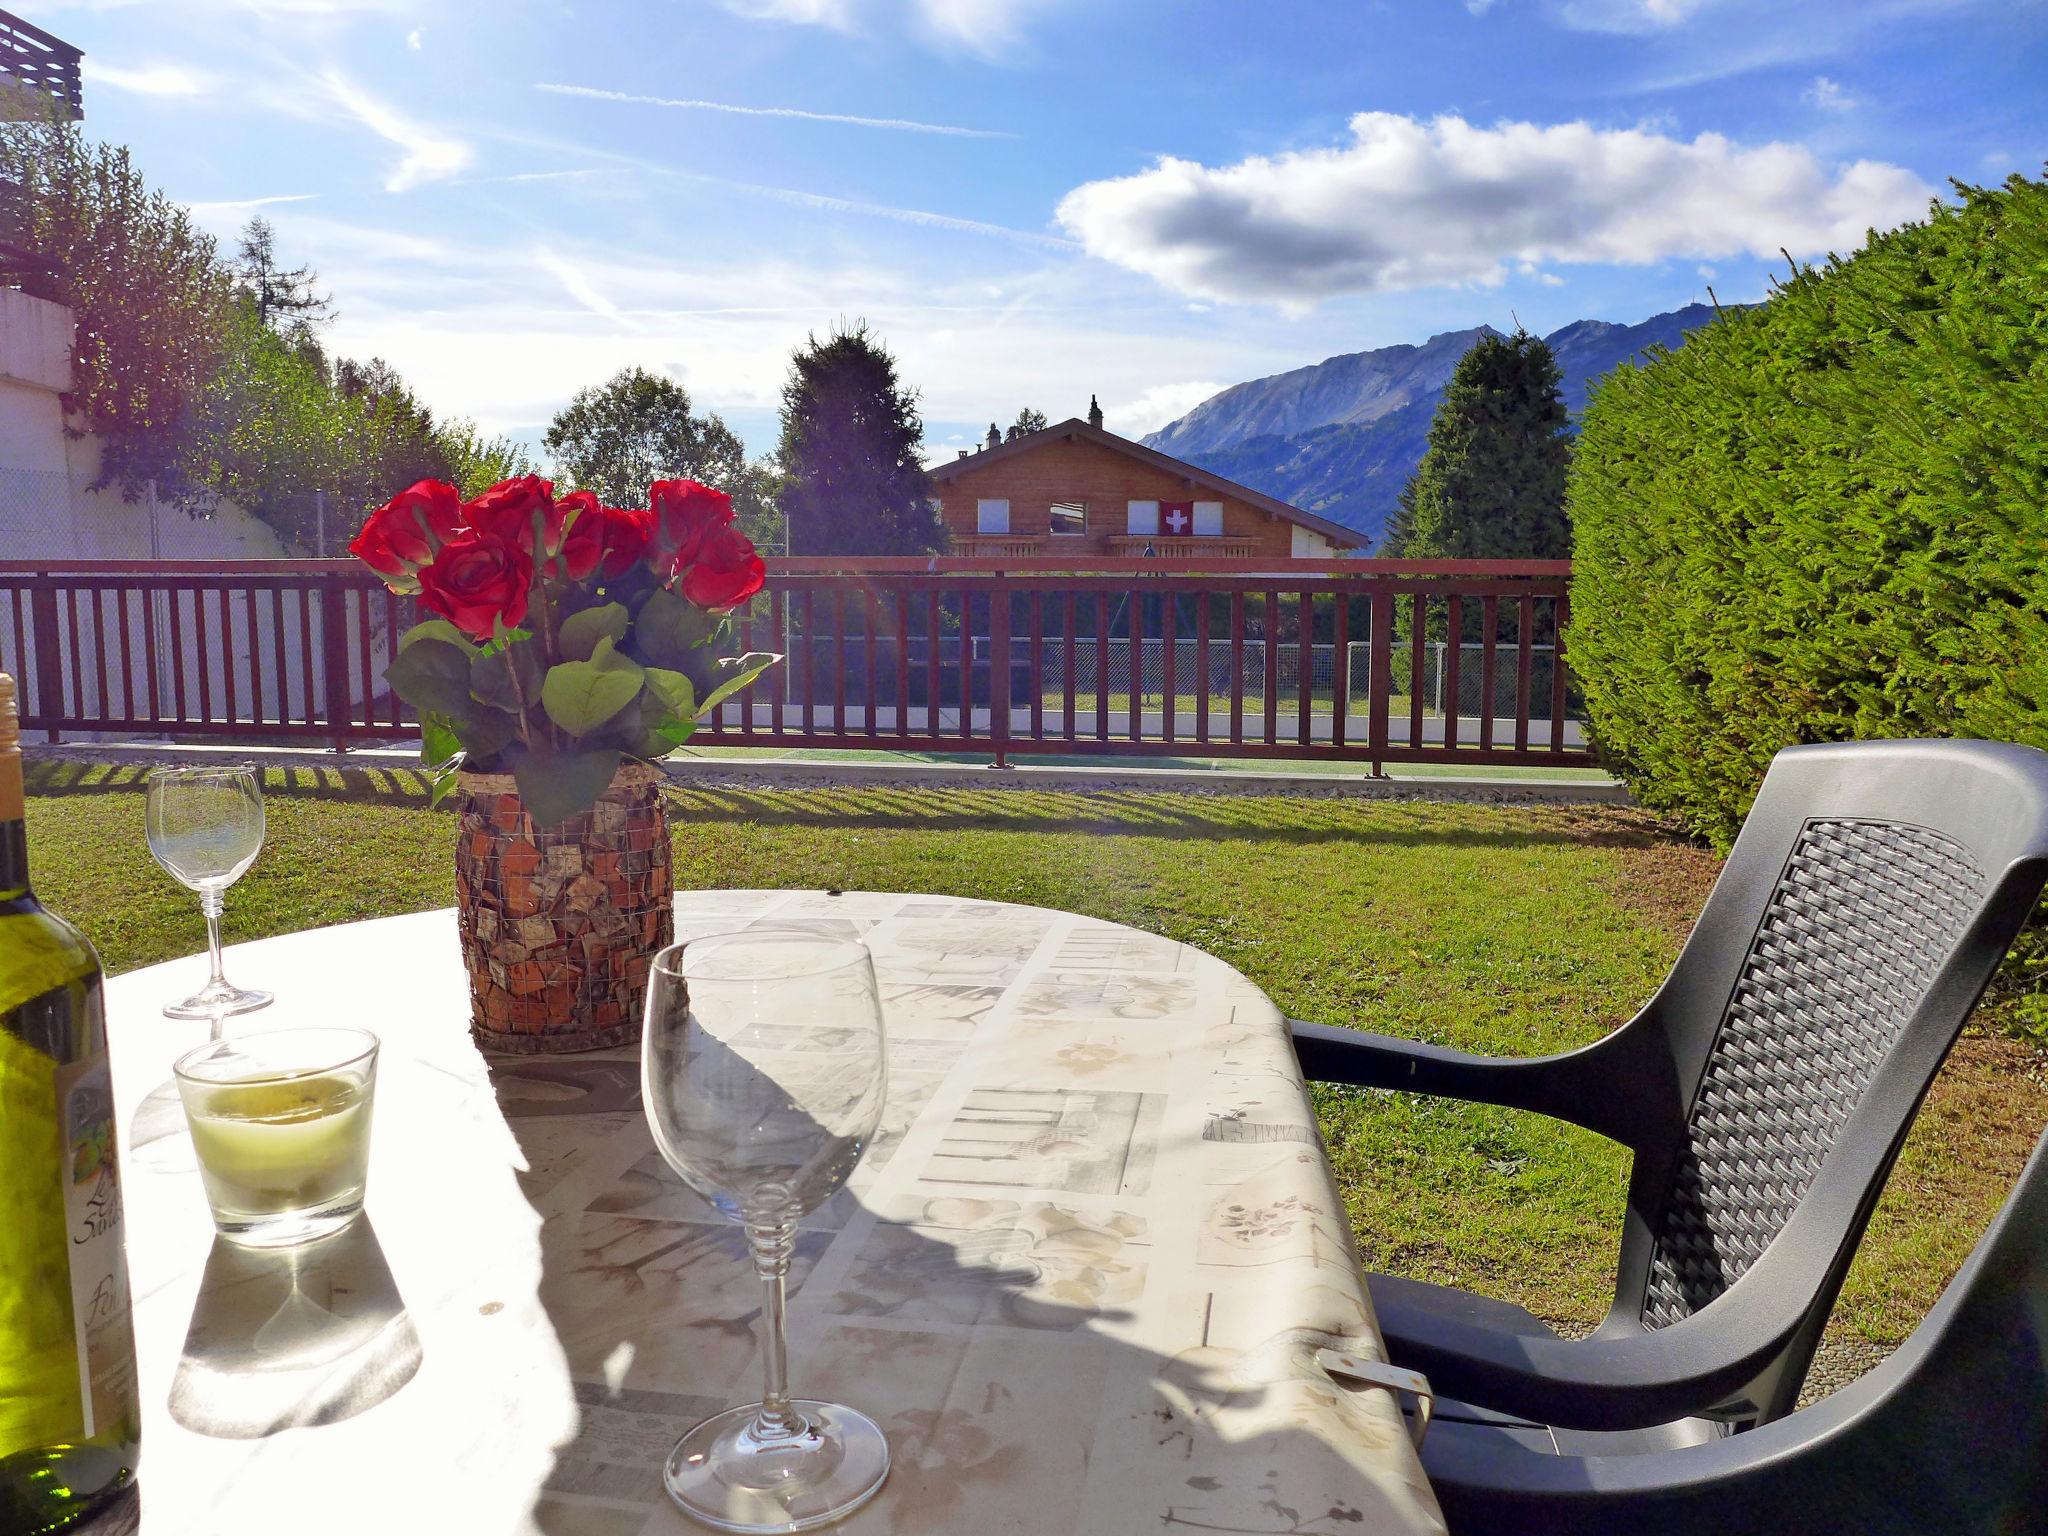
point(1341, 437)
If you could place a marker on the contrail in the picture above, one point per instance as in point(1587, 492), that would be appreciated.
point(899, 124)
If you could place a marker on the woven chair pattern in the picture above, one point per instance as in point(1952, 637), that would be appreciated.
point(1861, 923)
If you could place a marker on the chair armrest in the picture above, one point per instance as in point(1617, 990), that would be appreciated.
point(1579, 1086)
point(1607, 1382)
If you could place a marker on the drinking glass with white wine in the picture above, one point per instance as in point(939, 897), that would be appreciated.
point(205, 828)
point(762, 1071)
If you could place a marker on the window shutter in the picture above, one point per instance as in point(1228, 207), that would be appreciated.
point(1143, 519)
point(1209, 519)
point(991, 516)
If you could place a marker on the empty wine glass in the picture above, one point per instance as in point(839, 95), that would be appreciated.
point(762, 1071)
point(205, 828)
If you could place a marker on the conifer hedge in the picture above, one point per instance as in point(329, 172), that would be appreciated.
point(1825, 517)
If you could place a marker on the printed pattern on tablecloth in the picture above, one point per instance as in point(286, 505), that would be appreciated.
point(1079, 1278)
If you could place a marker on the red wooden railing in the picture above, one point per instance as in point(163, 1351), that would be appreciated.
point(1345, 659)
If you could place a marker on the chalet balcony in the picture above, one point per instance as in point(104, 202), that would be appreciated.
point(38, 74)
point(999, 546)
point(1164, 547)
point(1007, 546)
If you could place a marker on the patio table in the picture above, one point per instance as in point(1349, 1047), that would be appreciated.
point(1080, 1279)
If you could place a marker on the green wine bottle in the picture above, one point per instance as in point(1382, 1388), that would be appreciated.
point(70, 1417)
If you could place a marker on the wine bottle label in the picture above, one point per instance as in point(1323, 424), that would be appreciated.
point(99, 1265)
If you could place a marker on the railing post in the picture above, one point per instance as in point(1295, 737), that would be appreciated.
point(999, 669)
point(42, 607)
point(1379, 667)
point(334, 659)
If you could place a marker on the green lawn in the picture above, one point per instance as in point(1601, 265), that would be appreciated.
point(1504, 929)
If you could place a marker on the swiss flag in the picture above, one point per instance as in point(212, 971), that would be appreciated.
point(1176, 517)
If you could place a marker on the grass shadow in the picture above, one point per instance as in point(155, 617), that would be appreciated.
point(1252, 817)
point(57, 777)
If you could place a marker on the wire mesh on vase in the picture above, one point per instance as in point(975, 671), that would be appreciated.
point(559, 924)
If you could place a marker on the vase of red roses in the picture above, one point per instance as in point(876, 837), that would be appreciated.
point(571, 645)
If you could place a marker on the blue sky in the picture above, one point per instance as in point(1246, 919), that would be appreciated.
point(1033, 200)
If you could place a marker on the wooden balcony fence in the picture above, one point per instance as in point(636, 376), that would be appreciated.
point(38, 74)
point(1373, 661)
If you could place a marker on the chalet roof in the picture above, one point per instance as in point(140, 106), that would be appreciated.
point(1075, 429)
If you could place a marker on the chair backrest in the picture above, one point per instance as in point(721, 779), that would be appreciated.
point(1872, 893)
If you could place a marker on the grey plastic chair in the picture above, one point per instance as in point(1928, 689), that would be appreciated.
point(1764, 1090)
point(1948, 1436)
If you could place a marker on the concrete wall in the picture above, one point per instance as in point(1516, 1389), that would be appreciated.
point(48, 514)
point(47, 511)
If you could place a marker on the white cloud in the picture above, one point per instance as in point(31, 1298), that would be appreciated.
point(1412, 204)
point(430, 155)
point(578, 284)
point(1627, 15)
point(210, 211)
point(465, 321)
point(980, 26)
point(837, 14)
point(1478, 7)
point(160, 79)
point(415, 38)
point(986, 27)
point(1828, 95)
point(904, 124)
point(1157, 406)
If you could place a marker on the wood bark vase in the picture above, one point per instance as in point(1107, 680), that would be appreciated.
point(560, 923)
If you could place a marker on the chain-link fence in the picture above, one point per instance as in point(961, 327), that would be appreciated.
point(50, 514)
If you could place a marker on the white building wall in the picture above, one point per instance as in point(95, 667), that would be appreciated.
point(1310, 545)
point(48, 514)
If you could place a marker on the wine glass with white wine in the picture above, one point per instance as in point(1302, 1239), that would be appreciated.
point(762, 1072)
point(205, 828)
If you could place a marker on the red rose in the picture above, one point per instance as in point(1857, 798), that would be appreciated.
point(685, 513)
point(522, 513)
point(626, 533)
point(477, 581)
point(726, 571)
point(600, 535)
point(403, 534)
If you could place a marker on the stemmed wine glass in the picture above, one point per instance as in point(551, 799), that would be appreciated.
point(205, 828)
point(762, 1071)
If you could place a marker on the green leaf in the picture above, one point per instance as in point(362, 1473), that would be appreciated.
point(441, 782)
point(490, 676)
point(673, 691)
point(439, 745)
point(435, 629)
point(558, 785)
point(489, 733)
point(433, 677)
point(735, 672)
point(580, 631)
point(580, 696)
point(668, 628)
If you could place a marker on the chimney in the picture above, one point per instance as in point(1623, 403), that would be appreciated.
point(963, 453)
point(1094, 414)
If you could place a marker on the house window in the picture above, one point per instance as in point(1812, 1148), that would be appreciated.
point(991, 516)
point(1143, 519)
point(1208, 519)
point(1069, 517)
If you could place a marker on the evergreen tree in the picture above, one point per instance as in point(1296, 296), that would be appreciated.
point(1027, 422)
point(284, 297)
point(852, 478)
point(1491, 483)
